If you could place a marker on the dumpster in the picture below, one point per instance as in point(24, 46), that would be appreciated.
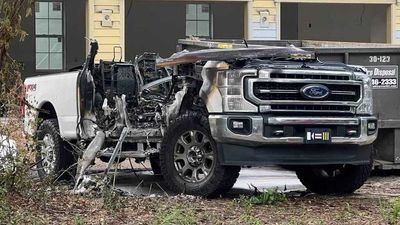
point(382, 63)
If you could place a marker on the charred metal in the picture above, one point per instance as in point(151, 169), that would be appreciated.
point(198, 112)
point(145, 96)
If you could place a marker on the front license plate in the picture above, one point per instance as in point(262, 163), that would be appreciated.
point(318, 136)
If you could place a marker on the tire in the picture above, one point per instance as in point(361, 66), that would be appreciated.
point(334, 179)
point(53, 162)
point(215, 179)
point(155, 164)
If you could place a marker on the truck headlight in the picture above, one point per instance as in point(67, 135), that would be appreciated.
point(366, 106)
point(230, 85)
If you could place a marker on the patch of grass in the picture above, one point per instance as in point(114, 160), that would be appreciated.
point(345, 214)
point(395, 211)
point(294, 222)
point(111, 199)
point(270, 197)
point(249, 219)
point(12, 216)
point(79, 220)
point(390, 210)
point(177, 215)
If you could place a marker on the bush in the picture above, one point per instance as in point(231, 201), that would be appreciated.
point(14, 168)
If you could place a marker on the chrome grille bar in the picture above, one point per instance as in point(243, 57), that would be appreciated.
point(276, 90)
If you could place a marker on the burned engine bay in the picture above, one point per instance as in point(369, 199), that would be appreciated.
point(125, 108)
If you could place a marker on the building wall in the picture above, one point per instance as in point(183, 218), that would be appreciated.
point(252, 16)
point(356, 23)
point(154, 27)
point(289, 24)
point(74, 39)
point(241, 13)
point(272, 31)
point(396, 23)
point(228, 20)
point(269, 30)
point(107, 36)
point(160, 33)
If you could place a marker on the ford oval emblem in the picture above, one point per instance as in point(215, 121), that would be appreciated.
point(315, 91)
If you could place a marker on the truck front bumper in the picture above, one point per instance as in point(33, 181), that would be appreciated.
point(254, 144)
point(255, 136)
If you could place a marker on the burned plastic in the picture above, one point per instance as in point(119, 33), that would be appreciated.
point(186, 57)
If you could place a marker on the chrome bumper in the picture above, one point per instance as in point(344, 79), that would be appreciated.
point(222, 134)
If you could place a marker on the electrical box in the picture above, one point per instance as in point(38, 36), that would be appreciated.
point(264, 18)
point(106, 18)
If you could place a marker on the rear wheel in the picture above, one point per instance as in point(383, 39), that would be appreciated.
point(54, 159)
point(189, 160)
point(334, 179)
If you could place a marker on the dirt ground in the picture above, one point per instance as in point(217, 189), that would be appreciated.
point(369, 205)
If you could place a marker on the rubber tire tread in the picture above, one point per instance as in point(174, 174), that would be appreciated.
point(218, 183)
point(64, 158)
point(345, 183)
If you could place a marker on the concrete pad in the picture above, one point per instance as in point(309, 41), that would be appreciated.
point(146, 183)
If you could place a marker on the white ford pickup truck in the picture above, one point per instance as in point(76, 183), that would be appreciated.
point(199, 116)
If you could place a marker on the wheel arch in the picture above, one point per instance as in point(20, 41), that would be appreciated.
point(47, 111)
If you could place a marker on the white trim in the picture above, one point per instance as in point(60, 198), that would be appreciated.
point(278, 20)
point(122, 27)
point(248, 20)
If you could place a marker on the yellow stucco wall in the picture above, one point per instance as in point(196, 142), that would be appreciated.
point(108, 37)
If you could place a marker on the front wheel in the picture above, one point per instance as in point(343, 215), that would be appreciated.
point(334, 179)
point(189, 160)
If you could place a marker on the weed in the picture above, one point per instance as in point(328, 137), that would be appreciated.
point(178, 215)
point(270, 197)
point(111, 199)
point(249, 219)
point(390, 210)
point(79, 220)
point(395, 211)
point(345, 214)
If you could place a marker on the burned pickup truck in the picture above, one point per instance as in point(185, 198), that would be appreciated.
point(200, 116)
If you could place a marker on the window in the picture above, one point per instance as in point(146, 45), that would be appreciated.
point(49, 33)
point(198, 20)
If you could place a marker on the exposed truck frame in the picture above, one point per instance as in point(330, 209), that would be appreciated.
point(199, 116)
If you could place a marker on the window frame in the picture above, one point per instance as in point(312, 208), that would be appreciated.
point(49, 36)
point(210, 18)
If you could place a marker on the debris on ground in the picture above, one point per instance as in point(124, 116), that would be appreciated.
point(299, 208)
